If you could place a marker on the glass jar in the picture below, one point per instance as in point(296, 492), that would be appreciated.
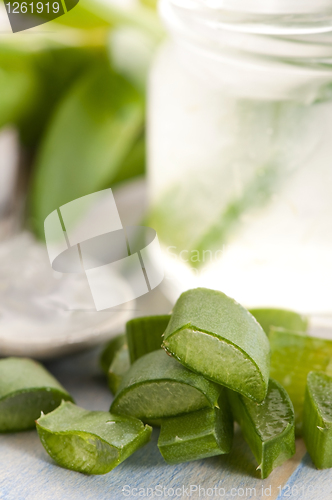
point(240, 150)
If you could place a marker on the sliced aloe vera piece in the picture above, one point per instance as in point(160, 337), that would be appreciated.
point(26, 390)
point(209, 331)
point(317, 419)
point(110, 350)
point(119, 366)
point(293, 356)
point(93, 442)
point(197, 435)
point(158, 386)
point(280, 318)
point(267, 427)
point(144, 334)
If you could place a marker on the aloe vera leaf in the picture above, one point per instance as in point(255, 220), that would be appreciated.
point(293, 356)
point(158, 386)
point(152, 4)
point(91, 134)
point(256, 194)
point(110, 350)
point(203, 433)
point(19, 86)
point(267, 427)
point(118, 368)
point(26, 390)
point(209, 331)
point(84, 16)
point(134, 163)
point(93, 442)
point(144, 334)
point(317, 419)
point(181, 221)
point(74, 62)
point(280, 318)
point(138, 17)
point(93, 15)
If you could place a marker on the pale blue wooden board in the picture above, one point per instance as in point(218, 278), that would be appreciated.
point(309, 482)
point(27, 472)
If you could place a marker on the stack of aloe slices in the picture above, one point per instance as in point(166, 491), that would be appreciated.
point(262, 365)
point(218, 369)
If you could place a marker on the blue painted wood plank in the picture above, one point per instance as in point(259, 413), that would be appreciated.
point(308, 483)
point(28, 473)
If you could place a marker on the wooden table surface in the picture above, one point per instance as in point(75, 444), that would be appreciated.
point(27, 472)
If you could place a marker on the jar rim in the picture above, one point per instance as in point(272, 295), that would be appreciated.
point(272, 17)
point(297, 67)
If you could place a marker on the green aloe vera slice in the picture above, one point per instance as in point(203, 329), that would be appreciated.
point(267, 427)
point(280, 318)
point(110, 351)
point(209, 331)
point(144, 334)
point(93, 442)
point(119, 366)
point(158, 386)
point(293, 356)
point(26, 390)
point(317, 419)
point(197, 435)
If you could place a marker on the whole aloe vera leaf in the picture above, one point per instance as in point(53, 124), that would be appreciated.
point(197, 435)
point(268, 427)
point(26, 390)
point(91, 134)
point(93, 442)
point(293, 356)
point(118, 368)
point(209, 331)
point(317, 419)
point(144, 334)
point(110, 350)
point(158, 386)
point(280, 318)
